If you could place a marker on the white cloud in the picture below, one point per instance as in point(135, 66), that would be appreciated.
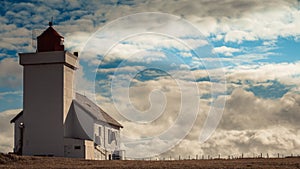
point(147, 98)
point(75, 41)
point(239, 36)
point(6, 130)
point(10, 73)
point(186, 54)
point(227, 51)
point(249, 124)
point(124, 69)
point(234, 143)
point(285, 73)
point(246, 22)
point(15, 38)
point(3, 94)
point(82, 84)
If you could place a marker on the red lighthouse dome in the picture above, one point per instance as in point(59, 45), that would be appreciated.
point(50, 40)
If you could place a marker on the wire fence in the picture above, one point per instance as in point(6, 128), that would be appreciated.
point(218, 157)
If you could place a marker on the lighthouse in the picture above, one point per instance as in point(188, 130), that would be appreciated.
point(57, 121)
point(48, 92)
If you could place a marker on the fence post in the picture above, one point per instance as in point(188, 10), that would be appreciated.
point(179, 157)
point(197, 157)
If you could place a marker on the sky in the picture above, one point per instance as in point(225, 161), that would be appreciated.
point(183, 77)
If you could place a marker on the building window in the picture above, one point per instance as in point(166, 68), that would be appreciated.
point(111, 136)
point(77, 147)
point(99, 134)
point(97, 140)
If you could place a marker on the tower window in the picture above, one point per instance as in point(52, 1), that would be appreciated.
point(77, 147)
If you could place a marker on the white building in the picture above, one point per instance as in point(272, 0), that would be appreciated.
point(55, 121)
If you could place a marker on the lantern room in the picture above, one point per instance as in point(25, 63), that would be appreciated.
point(50, 40)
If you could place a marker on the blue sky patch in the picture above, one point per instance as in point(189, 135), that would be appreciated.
point(271, 89)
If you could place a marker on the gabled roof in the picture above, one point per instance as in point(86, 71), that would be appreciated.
point(16, 117)
point(50, 31)
point(95, 110)
point(92, 108)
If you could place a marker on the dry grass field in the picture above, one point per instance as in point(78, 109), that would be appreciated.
point(12, 161)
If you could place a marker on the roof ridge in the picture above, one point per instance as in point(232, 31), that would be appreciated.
point(95, 110)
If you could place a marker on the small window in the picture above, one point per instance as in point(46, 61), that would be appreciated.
point(111, 136)
point(77, 147)
point(99, 131)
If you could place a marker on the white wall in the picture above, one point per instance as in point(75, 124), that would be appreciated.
point(104, 138)
point(47, 97)
point(43, 110)
point(78, 148)
point(85, 122)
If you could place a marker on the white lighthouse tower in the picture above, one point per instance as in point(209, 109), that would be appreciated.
point(48, 93)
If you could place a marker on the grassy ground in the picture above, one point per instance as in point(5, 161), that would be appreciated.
point(12, 161)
